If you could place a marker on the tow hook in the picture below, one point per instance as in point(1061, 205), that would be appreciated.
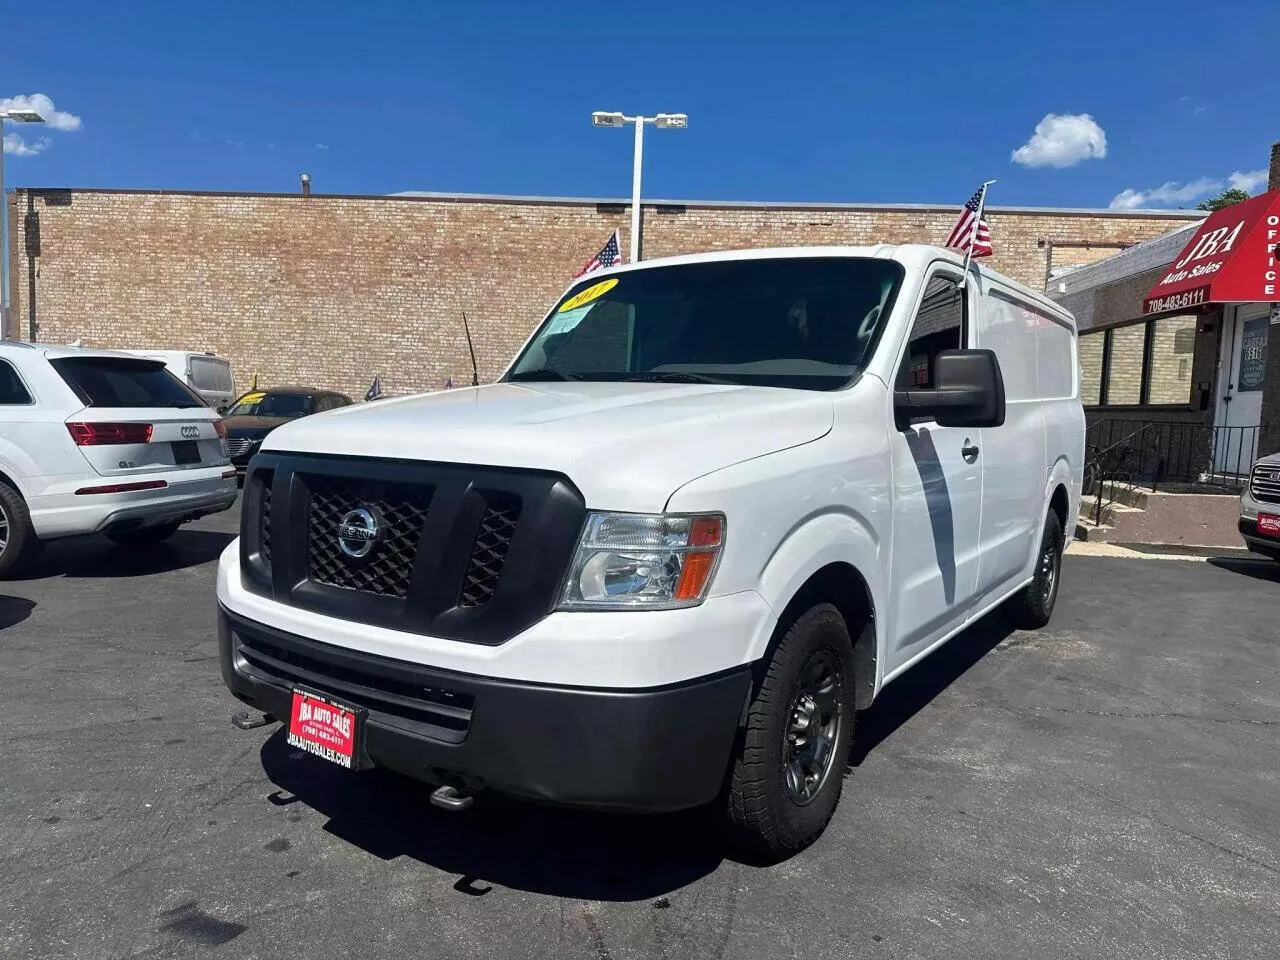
point(449, 797)
point(250, 719)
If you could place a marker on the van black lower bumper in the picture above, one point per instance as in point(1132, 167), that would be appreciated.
point(639, 750)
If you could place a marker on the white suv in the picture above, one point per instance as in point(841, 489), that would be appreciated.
point(714, 506)
point(95, 441)
point(1260, 508)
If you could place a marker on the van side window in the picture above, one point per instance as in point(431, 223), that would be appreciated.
point(939, 325)
point(12, 390)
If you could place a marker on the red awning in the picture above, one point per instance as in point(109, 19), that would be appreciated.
point(1231, 258)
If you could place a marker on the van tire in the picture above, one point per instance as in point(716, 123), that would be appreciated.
point(764, 819)
point(144, 536)
point(20, 541)
point(1032, 608)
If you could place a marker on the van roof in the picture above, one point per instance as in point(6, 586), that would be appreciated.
point(917, 255)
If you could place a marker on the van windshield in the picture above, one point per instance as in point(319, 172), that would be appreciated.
point(806, 322)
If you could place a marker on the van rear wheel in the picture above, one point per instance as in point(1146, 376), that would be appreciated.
point(785, 778)
point(1032, 608)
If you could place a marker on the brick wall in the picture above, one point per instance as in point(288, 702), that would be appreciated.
point(332, 290)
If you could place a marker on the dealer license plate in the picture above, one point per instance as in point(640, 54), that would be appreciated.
point(1269, 525)
point(330, 730)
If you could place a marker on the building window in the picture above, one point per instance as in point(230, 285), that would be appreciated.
point(1140, 364)
point(1173, 344)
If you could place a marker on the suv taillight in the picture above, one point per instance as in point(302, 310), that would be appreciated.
point(103, 434)
point(220, 428)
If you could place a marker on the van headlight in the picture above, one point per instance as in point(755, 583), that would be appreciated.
point(634, 561)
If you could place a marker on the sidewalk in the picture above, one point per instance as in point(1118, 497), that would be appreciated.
point(1156, 551)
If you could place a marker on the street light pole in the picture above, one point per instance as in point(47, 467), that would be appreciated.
point(637, 164)
point(18, 116)
point(663, 121)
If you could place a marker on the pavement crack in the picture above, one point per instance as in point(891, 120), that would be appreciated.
point(1160, 716)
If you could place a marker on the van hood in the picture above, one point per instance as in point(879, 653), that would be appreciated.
point(626, 446)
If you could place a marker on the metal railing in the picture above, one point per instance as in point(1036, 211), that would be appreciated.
point(1124, 455)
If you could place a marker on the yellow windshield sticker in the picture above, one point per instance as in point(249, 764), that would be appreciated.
point(251, 398)
point(593, 292)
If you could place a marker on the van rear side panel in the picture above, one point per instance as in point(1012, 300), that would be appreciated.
point(1012, 455)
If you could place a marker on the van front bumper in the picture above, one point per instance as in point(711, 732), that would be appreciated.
point(650, 750)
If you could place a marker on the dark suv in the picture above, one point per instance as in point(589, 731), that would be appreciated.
point(259, 412)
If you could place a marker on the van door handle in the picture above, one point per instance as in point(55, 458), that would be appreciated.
point(969, 451)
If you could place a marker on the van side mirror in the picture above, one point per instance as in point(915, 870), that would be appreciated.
point(968, 391)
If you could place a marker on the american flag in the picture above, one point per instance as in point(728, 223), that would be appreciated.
point(963, 233)
point(609, 254)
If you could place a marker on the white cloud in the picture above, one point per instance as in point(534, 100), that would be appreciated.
point(1165, 194)
point(1248, 180)
point(322, 146)
point(15, 145)
point(1062, 140)
point(1172, 193)
point(54, 118)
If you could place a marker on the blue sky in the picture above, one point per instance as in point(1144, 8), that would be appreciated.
point(907, 101)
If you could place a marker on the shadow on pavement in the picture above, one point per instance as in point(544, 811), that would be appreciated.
point(99, 557)
point(1260, 568)
point(569, 853)
point(522, 846)
point(14, 610)
point(910, 693)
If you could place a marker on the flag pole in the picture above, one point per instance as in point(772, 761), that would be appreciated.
point(973, 235)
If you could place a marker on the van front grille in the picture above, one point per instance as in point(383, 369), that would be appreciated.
point(399, 511)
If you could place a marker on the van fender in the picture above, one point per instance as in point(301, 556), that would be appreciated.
point(1059, 476)
point(813, 543)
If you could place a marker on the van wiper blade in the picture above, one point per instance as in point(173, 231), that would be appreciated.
point(675, 377)
point(544, 373)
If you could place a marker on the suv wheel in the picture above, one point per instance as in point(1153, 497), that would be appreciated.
point(785, 777)
point(18, 540)
point(1033, 607)
point(143, 536)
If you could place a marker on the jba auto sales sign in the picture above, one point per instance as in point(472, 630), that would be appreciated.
point(1231, 258)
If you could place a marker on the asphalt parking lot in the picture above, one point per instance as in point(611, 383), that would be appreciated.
point(1107, 787)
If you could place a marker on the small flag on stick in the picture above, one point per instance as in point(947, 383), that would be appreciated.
point(375, 389)
point(609, 255)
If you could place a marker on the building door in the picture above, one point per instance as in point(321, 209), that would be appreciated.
point(1241, 373)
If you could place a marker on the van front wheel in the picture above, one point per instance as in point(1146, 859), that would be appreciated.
point(1033, 607)
point(786, 775)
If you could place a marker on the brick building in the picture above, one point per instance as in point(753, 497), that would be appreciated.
point(1199, 386)
point(330, 290)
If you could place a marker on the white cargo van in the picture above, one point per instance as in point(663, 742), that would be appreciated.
point(712, 508)
point(208, 375)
